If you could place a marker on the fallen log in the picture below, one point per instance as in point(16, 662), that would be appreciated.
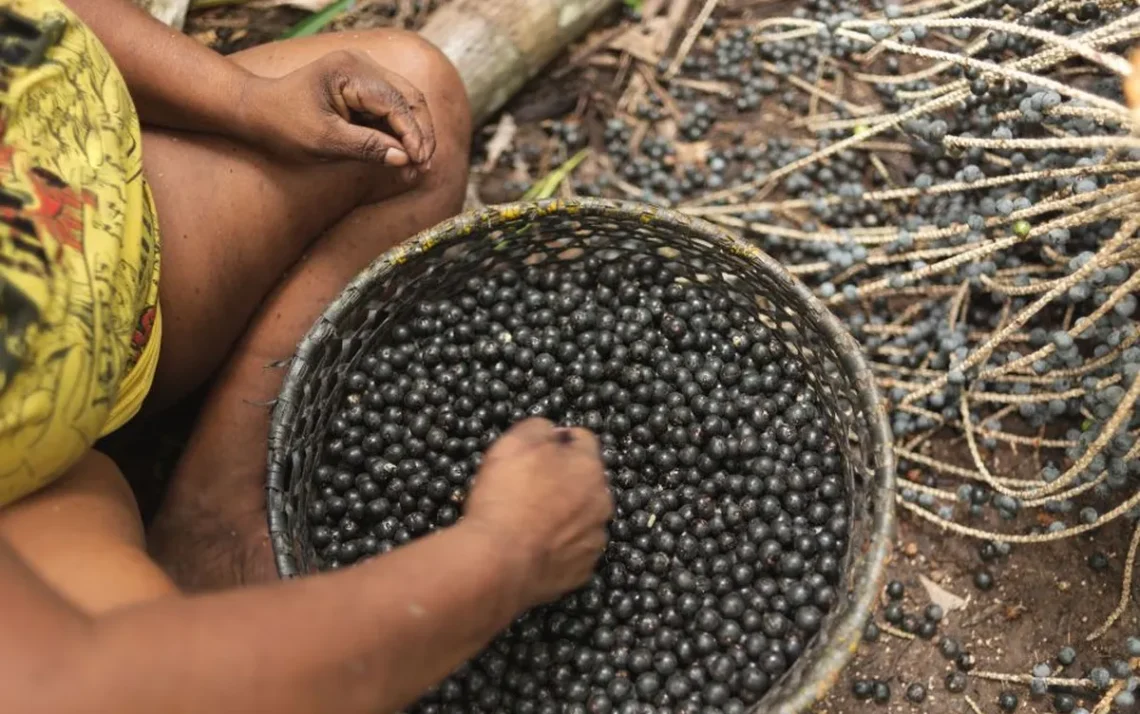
point(498, 45)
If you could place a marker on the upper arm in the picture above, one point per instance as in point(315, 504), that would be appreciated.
point(82, 537)
point(39, 633)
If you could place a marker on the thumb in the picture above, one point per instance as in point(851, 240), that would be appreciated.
point(362, 143)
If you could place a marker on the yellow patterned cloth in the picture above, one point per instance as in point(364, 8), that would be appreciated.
point(79, 247)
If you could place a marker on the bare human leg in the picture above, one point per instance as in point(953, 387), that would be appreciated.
point(253, 244)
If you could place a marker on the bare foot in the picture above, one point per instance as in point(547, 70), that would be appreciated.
point(204, 505)
point(207, 546)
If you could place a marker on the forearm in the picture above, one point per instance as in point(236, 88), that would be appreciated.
point(174, 81)
point(366, 640)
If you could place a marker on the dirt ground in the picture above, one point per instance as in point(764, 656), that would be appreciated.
point(1044, 597)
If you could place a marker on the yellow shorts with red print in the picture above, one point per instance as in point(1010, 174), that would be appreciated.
point(79, 247)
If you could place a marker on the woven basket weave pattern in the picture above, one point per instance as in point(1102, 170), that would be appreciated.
point(435, 265)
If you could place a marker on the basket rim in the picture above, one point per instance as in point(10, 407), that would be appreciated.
point(844, 633)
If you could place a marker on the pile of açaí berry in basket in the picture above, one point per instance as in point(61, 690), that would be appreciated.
point(732, 518)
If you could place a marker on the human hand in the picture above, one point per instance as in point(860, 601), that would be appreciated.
point(543, 491)
point(341, 106)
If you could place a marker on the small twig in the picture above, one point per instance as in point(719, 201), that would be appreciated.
point(997, 69)
point(1109, 61)
point(895, 631)
point(1105, 704)
point(592, 47)
point(1046, 537)
point(708, 86)
point(982, 616)
point(678, 11)
point(1062, 142)
point(818, 92)
point(671, 107)
point(1027, 678)
point(691, 37)
point(1125, 588)
point(813, 102)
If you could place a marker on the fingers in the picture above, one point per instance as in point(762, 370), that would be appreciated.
point(533, 431)
point(520, 438)
point(368, 88)
point(584, 451)
point(370, 144)
point(591, 548)
point(418, 102)
point(583, 447)
point(410, 111)
point(381, 100)
point(582, 440)
point(577, 442)
point(423, 118)
point(597, 544)
point(604, 510)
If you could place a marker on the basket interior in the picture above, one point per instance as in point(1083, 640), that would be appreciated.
point(437, 263)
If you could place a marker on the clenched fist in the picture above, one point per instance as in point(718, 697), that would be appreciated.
point(543, 490)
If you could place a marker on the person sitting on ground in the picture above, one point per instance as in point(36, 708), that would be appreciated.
point(139, 264)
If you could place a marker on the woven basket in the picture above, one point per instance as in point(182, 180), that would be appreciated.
point(438, 261)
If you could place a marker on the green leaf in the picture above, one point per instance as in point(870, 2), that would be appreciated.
point(634, 4)
point(316, 22)
point(548, 184)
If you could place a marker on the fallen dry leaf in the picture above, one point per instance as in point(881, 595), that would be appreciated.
point(171, 12)
point(206, 37)
point(710, 86)
point(500, 141)
point(472, 201)
point(649, 10)
point(310, 5)
point(1132, 84)
point(637, 43)
point(520, 171)
point(940, 596)
point(691, 152)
